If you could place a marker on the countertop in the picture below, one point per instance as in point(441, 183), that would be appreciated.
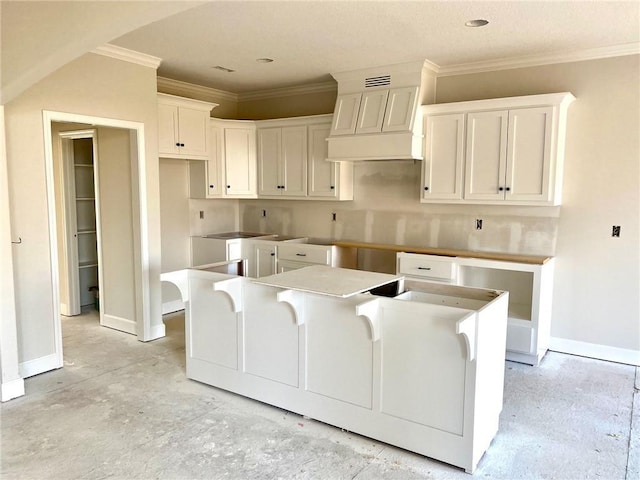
point(448, 252)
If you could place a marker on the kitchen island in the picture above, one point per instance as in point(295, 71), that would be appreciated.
point(416, 365)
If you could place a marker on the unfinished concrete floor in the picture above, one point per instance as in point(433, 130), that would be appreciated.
point(122, 409)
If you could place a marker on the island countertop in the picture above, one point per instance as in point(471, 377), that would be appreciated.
point(324, 280)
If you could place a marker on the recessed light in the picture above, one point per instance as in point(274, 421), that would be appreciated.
point(223, 69)
point(476, 23)
point(264, 60)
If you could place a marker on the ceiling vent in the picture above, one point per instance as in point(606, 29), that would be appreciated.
point(381, 81)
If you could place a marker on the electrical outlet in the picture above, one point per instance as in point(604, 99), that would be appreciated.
point(333, 217)
point(478, 224)
point(201, 214)
point(615, 231)
point(264, 213)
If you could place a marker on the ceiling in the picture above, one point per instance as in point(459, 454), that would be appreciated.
point(308, 40)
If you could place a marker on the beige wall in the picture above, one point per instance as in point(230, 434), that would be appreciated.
point(92, 85)
point(597, 281)
point(289, 106)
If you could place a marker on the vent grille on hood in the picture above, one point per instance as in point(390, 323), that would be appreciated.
point(380, 81)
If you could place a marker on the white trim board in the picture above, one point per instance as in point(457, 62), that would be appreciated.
point(172, 306)
point(40, 365)
point(127, 55)
point(594, 350)
point(12, 389)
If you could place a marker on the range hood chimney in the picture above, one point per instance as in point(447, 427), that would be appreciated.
point(378, 114)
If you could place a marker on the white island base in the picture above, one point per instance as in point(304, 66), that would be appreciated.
point(423, 371)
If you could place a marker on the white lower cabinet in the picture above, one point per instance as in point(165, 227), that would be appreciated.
point(294, 256)
point(530, 288)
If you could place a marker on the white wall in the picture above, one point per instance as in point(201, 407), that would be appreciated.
point(92, 85)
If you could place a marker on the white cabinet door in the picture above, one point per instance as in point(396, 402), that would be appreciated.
point(167, 129)
point(529, 154)
point(372, 108)
point(269, 178)
point(240, 161)
point(443, 159)
point(345, 115)
point(192, 128)
point(265, 258)
point(400, 111)
point(322, 174)
point(486, 155)
point(293, 161)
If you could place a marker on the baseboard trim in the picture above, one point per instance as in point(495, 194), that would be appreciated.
point(594, 350)
point(172, 306)
point(12, 389)
point(119, 323)
point(39, 365)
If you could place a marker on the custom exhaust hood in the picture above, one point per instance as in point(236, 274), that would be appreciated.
point(378, 112)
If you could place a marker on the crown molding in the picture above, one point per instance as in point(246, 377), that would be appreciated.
point(127, 55)
point(288, 91)
point(540, 59)
point(178, 87)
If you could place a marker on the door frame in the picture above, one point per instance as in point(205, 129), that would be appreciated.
point(140, 225)
point(69, 214)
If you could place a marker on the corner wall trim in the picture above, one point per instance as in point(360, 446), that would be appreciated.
point(594, 350)
point(12, 389)
point(39, 365)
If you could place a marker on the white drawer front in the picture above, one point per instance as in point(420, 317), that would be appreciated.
point(316, 254)
point(427, 266)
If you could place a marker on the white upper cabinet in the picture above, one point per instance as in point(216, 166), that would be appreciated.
point(442, 168)
point(282, 161)
point(230, 169)
point(486, 155)
point(513, 150)
point(240, 160)
point(292, 161)
point(183, 127)
point(329, 180)
point(529, 140)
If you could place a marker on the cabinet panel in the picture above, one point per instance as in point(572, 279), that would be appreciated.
point(167, 128)
point(345, 115)
point(192, 125)
point(372, 108)
point(322, 174)
point(269, 140)
point(240, 161)
point(444, 155)
point(294, 161)
point(214, 163)
point(486, 155)
point(400, 110)
point(265, 258)
point(529, 154)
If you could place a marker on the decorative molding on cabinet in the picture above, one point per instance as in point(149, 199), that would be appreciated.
point(540, 59)
point(126, 55)
point(594, 350)
point(190, 89)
